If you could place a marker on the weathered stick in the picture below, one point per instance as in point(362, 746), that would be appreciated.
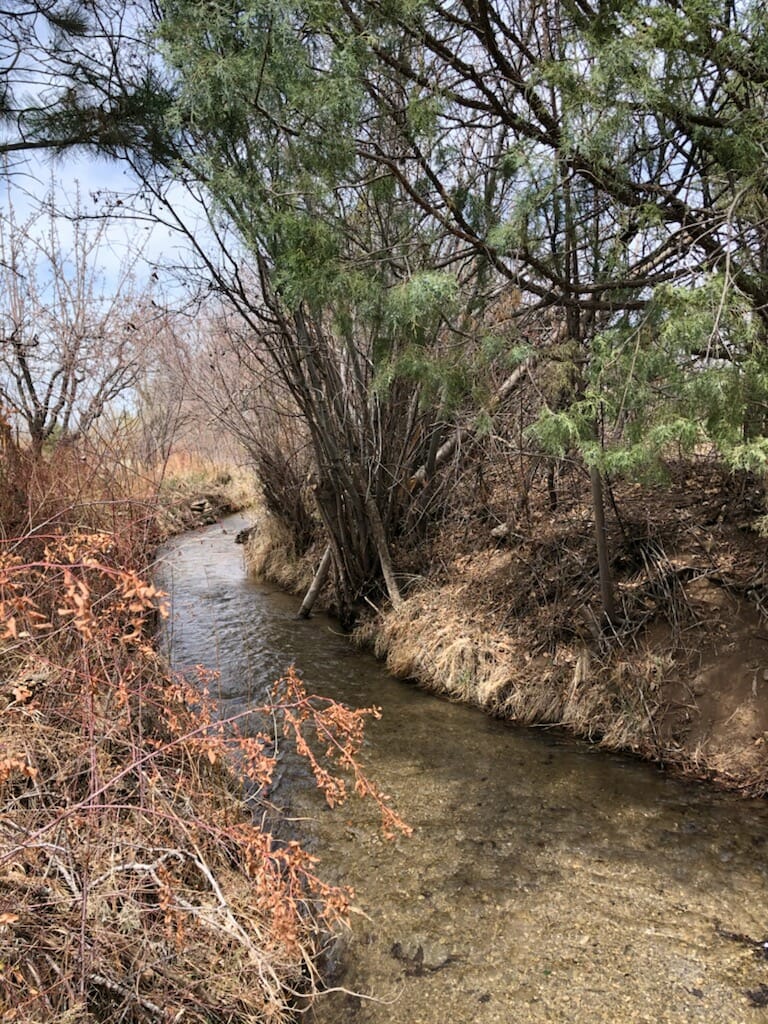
point(317, 584)
point(382, 549)
point(447, 449)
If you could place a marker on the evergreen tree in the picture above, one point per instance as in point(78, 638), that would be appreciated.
point(77, 73)
point(624, 179)
point(349, 306)
point(388, 166)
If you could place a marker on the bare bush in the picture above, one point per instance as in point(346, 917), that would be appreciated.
point(72, 339)
point(133, 885)
point(248, 400)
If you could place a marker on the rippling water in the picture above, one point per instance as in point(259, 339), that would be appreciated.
point(546, 881)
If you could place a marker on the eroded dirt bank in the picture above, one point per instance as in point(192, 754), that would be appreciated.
point(502, 611)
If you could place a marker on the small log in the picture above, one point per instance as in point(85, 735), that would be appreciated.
point(382, 549)
point(317, 584)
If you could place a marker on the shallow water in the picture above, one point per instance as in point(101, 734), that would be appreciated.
point(546, 881)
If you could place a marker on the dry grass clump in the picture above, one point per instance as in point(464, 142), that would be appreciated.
point(186, 472)
point(425, 639)
point(73, 486)
point(134, 886)
point(434, 639)
point(271, 554)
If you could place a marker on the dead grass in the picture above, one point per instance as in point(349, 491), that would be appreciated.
point(616, 702)
point(44, 494)
point(271, 554)
point(513, 626)
point(190, 472)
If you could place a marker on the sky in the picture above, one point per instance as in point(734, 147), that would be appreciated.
point(151, 248)
point(29, 70)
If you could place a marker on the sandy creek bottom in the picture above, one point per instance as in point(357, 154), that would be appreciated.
point(546, 881)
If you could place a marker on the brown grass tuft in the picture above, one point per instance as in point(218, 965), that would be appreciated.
point(270, 553)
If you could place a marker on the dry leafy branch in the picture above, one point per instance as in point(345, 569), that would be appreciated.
point(133, 884)
point(338, 731)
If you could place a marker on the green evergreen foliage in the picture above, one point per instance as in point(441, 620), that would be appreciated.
point(81, 74)
point(691, 374)
point(392, 168)
point(417, 306)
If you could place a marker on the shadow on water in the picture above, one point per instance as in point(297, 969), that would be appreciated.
point(546, 881)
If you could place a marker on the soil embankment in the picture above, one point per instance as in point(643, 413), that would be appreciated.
point(502, 610)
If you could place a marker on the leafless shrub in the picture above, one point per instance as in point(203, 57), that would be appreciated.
point(71, 343)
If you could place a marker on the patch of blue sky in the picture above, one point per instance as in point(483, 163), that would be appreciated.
point(105, 195)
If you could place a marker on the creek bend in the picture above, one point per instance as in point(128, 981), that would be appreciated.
point(546, 881)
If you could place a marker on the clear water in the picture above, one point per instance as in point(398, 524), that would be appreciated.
point(546, 881)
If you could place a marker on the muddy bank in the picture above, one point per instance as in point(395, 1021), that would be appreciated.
point(508, 620)
point(702, 712)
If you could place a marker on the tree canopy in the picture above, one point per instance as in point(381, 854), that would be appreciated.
point(422, 189)
point(77, 73)
point(395, 168)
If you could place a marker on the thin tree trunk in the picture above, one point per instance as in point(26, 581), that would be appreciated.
point(382, 549)
point(317, 584)
point(606, 580)
point(331, 530)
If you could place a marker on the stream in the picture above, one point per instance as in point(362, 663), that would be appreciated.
point(546, 880)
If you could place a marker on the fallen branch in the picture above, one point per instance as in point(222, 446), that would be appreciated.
point(420, 478)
